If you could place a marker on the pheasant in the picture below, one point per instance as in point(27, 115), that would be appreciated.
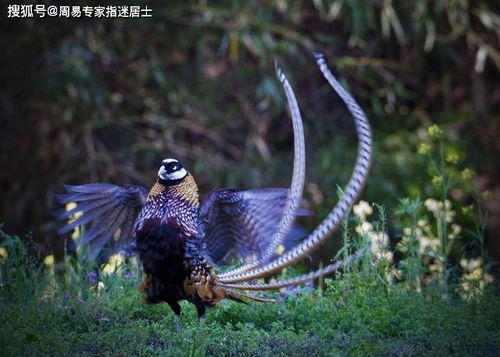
point(182, 242)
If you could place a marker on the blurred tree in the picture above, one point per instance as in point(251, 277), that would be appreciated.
point(105, 99)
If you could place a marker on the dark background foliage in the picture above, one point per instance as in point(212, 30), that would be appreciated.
point(85, 100)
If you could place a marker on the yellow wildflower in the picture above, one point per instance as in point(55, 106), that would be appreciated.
point(114, 264)
point(437, 180)
point(424, 149)
point(435, 131)
point(49, 260)
point(280, 249)
point(487, 195)
point(466, 210)
point(452, 158)
point(467, 174)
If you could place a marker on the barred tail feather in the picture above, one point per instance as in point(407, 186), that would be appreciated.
point(239, 297)
point(351, 192)
point(302, 278)
point(294, 196)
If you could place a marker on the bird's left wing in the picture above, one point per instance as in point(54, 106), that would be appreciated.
point(241, 223)
point(108, 211)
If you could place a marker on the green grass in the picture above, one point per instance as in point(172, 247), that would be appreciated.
point(354, 316)
point(48, 310)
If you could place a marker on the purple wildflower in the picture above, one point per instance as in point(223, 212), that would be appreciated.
point(289, 291)
point(129, 251)
point(293, 289)
point(283, 296)
point(309, 284)
point(67, 295)
point(93, 277)
point(129, 275)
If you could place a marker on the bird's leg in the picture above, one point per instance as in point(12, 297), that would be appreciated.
point(178, 324)
point(176, 308)
point(174, 305)
point(201, 311)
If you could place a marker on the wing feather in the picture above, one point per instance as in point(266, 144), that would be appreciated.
point(241, 223)
point(108, 210)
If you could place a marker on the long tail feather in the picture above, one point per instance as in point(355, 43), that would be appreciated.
point(351, 192)
point(299, 279)
point(239, 297)
point(298, 178)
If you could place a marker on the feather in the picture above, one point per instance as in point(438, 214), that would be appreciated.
point(108, 210)
point(241, 223)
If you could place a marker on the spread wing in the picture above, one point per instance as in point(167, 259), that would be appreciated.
point(107, 210)
point(241, 223)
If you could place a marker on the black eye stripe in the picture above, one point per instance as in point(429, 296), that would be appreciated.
point(172, 166)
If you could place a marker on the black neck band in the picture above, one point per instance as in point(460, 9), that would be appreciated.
point(171, 182)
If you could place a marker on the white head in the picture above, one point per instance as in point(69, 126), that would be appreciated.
point(171, 171)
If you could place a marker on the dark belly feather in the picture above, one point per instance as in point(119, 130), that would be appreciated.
point(162, 252)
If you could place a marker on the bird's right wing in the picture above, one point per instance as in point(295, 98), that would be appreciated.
point(109, 212)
